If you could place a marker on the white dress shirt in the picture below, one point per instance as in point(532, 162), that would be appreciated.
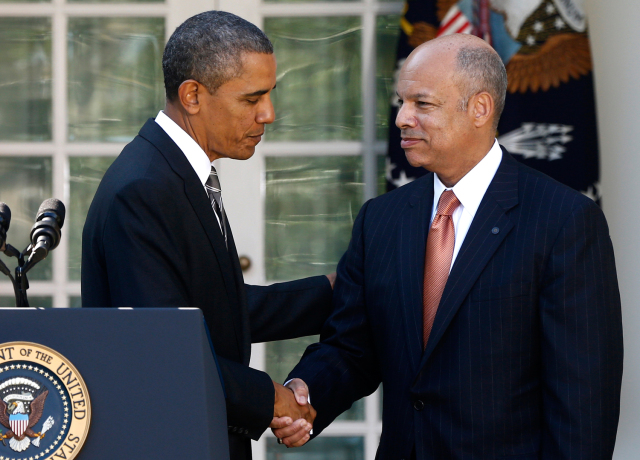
point(197, 158)
point(469, 190)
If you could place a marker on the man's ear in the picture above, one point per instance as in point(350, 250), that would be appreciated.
point(189, 95)
point(482, 109)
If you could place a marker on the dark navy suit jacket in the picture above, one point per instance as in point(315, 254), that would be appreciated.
point(524, 360)
point(151, 239)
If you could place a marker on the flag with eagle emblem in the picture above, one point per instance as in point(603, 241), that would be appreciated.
point(549, 120)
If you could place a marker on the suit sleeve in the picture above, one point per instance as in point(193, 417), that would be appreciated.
point(145, 269)
point(342, 368)
point(289, 310)
point(250, 397)
point(581, 341)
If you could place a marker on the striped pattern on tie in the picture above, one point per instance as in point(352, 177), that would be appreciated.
point(439, 254)
point(215, 196)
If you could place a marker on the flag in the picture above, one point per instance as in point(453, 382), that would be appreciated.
point(549, 120)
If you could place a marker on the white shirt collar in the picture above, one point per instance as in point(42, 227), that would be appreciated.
point(471, 188)
point(196, 156)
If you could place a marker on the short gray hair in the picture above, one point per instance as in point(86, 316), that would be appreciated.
point(208, 48)
point(482, 70)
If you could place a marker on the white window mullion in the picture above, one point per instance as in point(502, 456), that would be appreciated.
point(374, 425)
point(317, 148)
point(369, 159)
point(258, 361)
point(60, 166)
point(25, 149)
point(178, 11)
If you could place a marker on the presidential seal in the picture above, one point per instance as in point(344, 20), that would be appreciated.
point(44, 404)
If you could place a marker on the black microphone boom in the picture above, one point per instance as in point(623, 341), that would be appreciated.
point(5, 220)
point(45, 234)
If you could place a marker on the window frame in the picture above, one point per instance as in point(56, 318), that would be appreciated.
point(61, 150)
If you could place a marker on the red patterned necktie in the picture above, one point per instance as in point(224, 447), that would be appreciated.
point(439, 254)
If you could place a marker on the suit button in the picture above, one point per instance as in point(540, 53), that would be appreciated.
point(418, 405)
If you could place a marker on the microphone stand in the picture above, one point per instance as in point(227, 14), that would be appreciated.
point(20, 282)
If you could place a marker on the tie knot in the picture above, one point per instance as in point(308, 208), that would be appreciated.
point(213, 180)
point(448, 203)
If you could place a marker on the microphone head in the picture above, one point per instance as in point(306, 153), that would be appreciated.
point(5, 216)
point(52, 208)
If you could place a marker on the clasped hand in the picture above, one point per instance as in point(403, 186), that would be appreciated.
point(293, 416)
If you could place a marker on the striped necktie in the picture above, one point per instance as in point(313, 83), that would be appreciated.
point(215, 196)
point(439, 254)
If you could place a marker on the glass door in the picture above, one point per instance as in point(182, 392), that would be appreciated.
point(293, 204)
point(79, 78)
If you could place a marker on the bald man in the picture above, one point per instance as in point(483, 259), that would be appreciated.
point(483, 296)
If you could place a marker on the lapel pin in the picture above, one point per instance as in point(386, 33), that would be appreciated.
point(495, 230)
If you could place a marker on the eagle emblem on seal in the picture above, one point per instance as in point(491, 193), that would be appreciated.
point(21, 406)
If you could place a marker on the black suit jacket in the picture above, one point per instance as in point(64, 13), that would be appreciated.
point(151, 239)
point(524, 360)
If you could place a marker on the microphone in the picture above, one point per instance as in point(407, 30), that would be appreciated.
point(45, 234)
point(5, 220)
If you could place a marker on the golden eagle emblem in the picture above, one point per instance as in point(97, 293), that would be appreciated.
point(20, 410)
point(549, 37)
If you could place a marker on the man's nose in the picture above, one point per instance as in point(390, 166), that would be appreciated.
point(267, 113)
point(405, 118)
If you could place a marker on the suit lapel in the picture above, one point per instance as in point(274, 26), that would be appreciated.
point(199, 201)
point(412, 240)
point(488, 230)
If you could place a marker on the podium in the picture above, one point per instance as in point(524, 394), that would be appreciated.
point(151, 376)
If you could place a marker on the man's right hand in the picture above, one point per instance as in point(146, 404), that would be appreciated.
point(293, 432)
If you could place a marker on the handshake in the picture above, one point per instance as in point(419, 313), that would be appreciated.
point(293, 415)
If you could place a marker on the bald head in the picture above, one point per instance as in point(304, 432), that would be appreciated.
point(475, 67)
point(450, 94)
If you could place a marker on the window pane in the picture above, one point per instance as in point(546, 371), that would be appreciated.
point(318, 95)
point(25, 79)
point(25, 182)
point(283, 355)
point(321, 448)
point(311, 203)
point(387, 34)
point(115, 76)
point(34, 301)
point(382, 179)
point(75, 302)
point(85, 176)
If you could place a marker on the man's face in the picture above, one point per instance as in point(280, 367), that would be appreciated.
point(435, 133)
point(234, 116)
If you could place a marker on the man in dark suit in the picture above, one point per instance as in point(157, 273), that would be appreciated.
point(156, 234)
point(484, 296)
